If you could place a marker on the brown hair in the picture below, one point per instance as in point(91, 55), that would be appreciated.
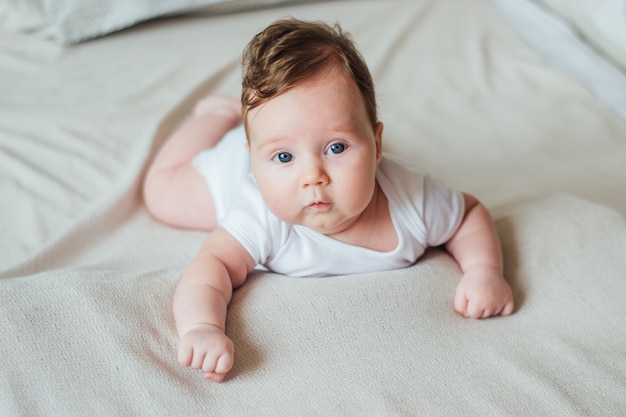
point(289, 51)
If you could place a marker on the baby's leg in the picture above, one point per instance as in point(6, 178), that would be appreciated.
point(174, 192)
point(229, 106)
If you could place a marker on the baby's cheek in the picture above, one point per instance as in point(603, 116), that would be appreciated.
point(281, 208)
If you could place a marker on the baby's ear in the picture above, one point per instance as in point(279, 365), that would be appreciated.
point(379, 141)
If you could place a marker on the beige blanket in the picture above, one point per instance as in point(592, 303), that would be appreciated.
point(87, 277)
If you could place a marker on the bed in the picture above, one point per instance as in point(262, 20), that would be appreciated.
point(522, 104)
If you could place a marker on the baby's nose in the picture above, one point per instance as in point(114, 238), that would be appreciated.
point(315, 174)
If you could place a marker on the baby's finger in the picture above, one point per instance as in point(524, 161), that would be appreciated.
point(210, 363)
point(460, 303)
point(185, 353)
point(198, 359)
point(213, 376)
point(508, 309)
point(224, 363)
point(474, 311)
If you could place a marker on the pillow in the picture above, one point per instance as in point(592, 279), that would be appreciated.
point(73, 21)
point(601, 22)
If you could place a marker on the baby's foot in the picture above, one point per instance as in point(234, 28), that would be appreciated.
point(228, 106)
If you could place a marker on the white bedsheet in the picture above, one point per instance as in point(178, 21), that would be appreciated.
point(563, 48)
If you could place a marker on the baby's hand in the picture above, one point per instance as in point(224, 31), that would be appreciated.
point(483, 292)
point(206, 347)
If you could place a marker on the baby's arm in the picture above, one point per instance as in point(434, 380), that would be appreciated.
point(201, 301)
point(482, 291)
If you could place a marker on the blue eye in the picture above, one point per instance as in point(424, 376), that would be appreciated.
point(336, 148)
point(283, 157)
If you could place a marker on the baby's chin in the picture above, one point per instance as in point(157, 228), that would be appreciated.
point(321, 218)
point(331, 229)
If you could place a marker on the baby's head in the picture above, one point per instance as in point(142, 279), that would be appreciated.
point(313, 135)
point(290, 51)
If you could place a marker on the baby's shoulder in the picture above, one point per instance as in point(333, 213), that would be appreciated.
point(393, 166)
point(404, 184)
point(396, 176)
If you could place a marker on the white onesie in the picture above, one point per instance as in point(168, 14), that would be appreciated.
point(424, 211)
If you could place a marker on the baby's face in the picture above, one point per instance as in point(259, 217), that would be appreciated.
point(314, 153)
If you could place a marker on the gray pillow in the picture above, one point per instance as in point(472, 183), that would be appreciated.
point(73, 21)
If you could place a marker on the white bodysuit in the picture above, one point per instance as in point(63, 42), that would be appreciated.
point(425, 212)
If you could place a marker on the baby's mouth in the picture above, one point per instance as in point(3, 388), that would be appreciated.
point(320, 205)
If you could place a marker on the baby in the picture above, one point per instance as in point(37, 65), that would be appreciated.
point(312, 196)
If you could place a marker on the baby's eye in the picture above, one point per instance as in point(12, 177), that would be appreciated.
point(283, 157)
point(336, 148)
